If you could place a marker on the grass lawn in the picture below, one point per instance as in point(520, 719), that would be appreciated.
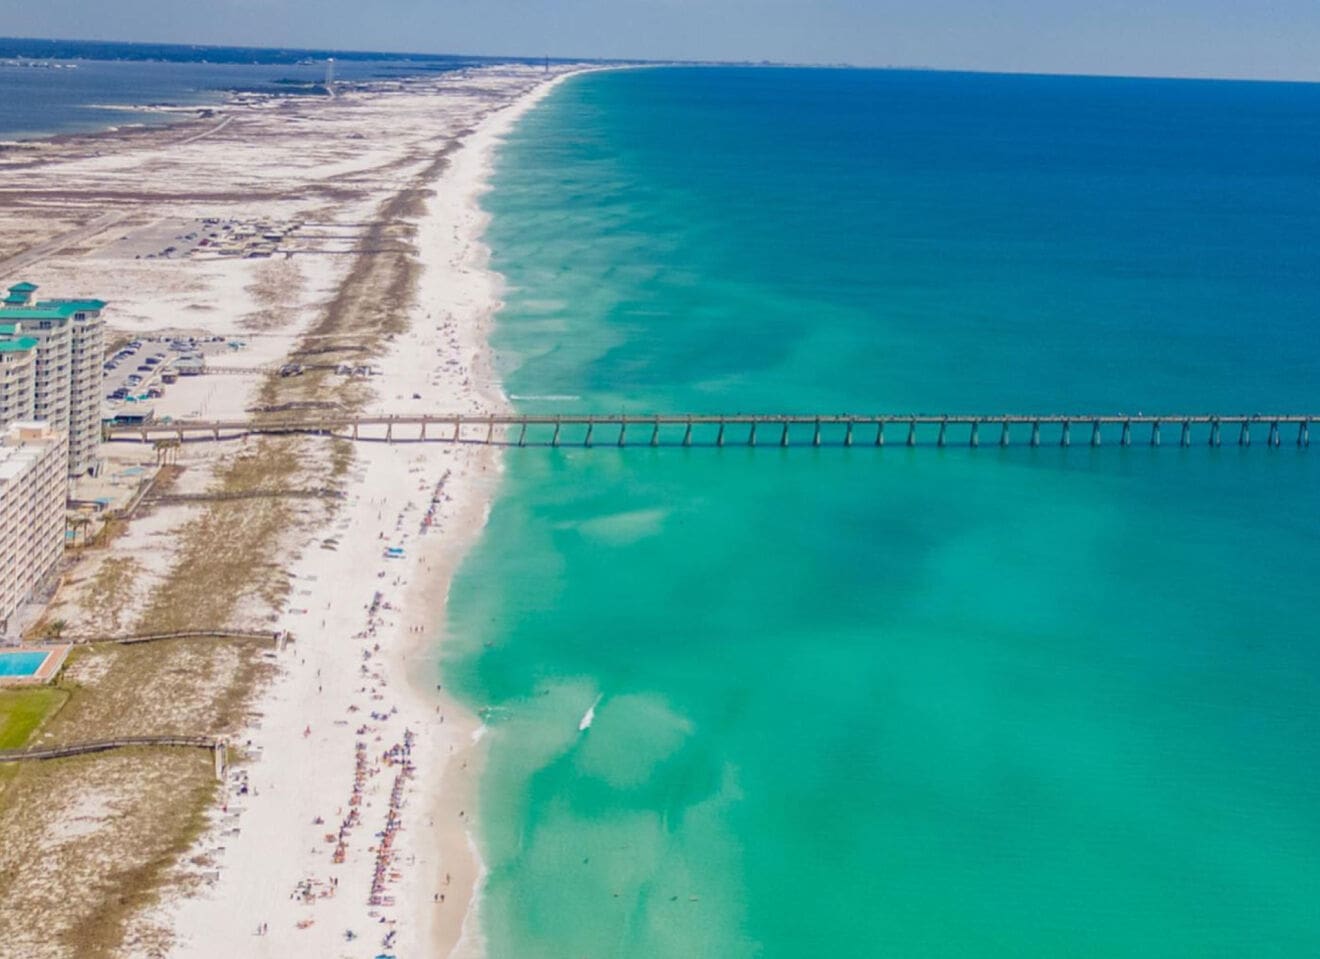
point(22, 710)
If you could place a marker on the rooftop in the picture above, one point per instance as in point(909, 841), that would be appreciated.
point(20, 345)
point(74, 305)
point(25, 443)
point(23, 287)
point(44, 311)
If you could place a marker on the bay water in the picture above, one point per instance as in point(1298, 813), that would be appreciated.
point(70, 86)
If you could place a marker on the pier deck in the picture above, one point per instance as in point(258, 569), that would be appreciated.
point(707, 429)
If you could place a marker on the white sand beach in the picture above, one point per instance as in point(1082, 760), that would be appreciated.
point(355, 823)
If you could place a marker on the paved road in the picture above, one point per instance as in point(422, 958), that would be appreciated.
point(34, 254)
point(206, 133)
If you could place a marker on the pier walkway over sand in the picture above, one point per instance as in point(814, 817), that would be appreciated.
point(705, 429)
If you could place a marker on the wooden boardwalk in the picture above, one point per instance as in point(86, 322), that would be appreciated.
point(217, 747)
point(130, 639)
point(707, 429)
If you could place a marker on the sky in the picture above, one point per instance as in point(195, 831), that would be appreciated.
point(1266, 39)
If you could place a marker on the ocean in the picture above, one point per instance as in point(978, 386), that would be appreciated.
point(910, 702)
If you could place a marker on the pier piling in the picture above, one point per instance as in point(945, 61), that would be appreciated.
point(590, 426)
point(815, 437)
point(944, 426)
point(1126, 439)
point(974, 440)
point(1303, 434)
point(719, 437)
point(847, 437)
point(1274, 434)
point(1065, 438)
point(880, 433)
point(1004, 437)
point(1035, 433)
point(1214, 432)
point(1244, 434)
point(554, 440)
point(783, 439)
point(623, 432)
point(687, 434)
point(522, 434)
point(751, 435)
point(1155, 433)
point(655, 433)
point(912, 433)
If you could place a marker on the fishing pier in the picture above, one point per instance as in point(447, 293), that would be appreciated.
point(783, 430)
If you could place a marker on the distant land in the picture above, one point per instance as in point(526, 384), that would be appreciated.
point(54, 49)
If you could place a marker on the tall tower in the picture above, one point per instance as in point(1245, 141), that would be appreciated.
point(65, 339)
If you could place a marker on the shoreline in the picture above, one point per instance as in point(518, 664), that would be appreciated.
point(471, 166)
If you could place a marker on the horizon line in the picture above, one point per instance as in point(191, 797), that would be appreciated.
point(679, 61)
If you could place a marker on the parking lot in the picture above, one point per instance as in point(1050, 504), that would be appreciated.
point(143, 369)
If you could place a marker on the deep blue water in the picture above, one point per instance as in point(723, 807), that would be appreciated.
point(903, 702)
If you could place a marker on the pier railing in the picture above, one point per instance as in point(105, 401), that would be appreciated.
point(708, 429)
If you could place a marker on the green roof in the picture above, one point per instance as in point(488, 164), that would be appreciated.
point(61, 312)
point(24, 287)
point(7, 329)
point(20, 345)
point(19, 298)
point(73, 304)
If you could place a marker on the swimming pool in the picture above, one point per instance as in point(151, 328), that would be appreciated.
point(22, 664)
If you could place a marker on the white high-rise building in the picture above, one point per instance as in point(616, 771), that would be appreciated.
point(66, 368)
point(34, 486)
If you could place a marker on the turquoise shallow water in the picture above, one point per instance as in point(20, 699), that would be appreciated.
point(908, 702)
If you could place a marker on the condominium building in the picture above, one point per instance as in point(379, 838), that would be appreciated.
point(66, 367)
point(86, 356)
point(33, 488)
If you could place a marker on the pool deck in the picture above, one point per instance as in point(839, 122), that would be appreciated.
point(48, 670)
